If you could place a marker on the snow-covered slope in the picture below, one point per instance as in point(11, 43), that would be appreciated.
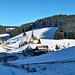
point(40, 33)
point(60, 62)
point(64, 43)
point(66, 54)
point(53, 63)
point(10, 71)
point(47, 69)
point(51, 44)
point(45, 34)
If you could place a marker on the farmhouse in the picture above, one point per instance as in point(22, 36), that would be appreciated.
point(42, 48)
point(4, 37)
point(28, 51)
point(38, 50)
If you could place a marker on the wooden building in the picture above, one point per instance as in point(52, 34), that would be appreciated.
point(42, 48)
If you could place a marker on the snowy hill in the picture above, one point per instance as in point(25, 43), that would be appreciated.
point(43, 33)
point(39, 33)
point(53, 63)
point(66, 54)
point(46, 36)
point(59, 62)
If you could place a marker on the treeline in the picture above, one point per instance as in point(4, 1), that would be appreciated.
point(2, 30)
point(65, 24)
point(54, 21)
point(67, 29)
point(20, 29)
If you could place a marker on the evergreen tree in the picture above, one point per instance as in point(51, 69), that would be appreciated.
point(57, 47)
point(39, 41)
point(24, 34)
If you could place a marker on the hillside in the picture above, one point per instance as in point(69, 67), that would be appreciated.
point(56, 62)
point(46, 35)
point(66, 23)
point(53, 63)
point(63, 55)
point(43, 33)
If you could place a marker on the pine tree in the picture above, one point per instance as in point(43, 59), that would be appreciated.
point(32, 33)
point(57, 47)
point(24, 34)
point(39, 42)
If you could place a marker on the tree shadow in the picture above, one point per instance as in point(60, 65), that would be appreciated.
point(49, 34)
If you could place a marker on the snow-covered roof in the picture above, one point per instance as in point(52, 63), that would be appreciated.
point(29, 48)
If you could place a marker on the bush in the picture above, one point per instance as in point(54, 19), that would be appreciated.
point(22, 66)
point(57, 47)
point(33, 70)
point(58, 35)
point(43, 68)
point(24, 34)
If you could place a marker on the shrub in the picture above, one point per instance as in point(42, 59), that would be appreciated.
point(57, 47)
point(33, 70)
point(24, 34)
point(22, 66)
point(43, 68)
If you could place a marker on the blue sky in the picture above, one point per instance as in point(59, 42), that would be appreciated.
point(18, 12)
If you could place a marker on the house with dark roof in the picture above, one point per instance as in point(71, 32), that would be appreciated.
point(29, 51)
point(42, 48)
point(4, 37)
